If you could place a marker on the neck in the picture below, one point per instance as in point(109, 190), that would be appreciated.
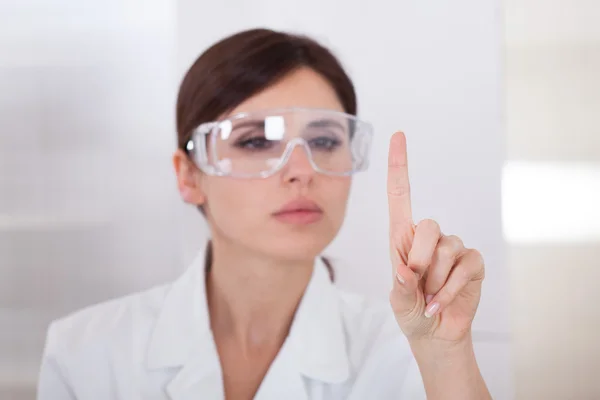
point(252, 298)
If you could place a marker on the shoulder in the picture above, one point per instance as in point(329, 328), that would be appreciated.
point(100, 340)
point(106, 324)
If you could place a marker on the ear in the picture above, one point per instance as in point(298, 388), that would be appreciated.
point(188, 179)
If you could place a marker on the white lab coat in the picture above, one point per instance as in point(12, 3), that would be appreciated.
point(157, 345)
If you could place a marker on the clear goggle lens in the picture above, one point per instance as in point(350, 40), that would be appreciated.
point(259, 144)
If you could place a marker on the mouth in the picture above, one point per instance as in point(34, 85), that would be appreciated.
point(299, 212)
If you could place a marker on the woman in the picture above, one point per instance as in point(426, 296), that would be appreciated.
point(268, 141)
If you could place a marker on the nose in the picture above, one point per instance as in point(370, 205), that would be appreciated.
point(298, 166)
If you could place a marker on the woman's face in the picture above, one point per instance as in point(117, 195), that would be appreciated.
point(247, 212)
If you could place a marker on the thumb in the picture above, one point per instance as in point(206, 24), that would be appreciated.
point(406, 297)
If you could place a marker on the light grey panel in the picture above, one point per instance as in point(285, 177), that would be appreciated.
point(88, 203)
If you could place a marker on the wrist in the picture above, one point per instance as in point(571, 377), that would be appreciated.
point(442, 352)
point(449, 369)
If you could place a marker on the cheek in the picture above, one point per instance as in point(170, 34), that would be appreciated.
point(235, 202)
point(337, 193)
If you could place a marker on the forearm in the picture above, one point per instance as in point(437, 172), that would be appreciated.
point(450, 372)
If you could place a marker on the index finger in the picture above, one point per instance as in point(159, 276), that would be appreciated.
point(398, 185)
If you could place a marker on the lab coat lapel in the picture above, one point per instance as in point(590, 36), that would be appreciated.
point(283, 380)
point(182, 340)
point(315, 350)
point(197, 380)
point(318, 335)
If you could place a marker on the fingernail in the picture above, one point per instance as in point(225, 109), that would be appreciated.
point(431, 310)
point(428, 298)
point(400, 278)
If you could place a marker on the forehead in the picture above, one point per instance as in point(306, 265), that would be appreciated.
point(302, 88)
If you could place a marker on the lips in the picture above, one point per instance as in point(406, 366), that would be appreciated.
point(301, 212)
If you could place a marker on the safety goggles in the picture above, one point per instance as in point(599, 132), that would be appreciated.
point(258, 144)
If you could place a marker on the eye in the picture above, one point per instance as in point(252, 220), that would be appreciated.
point(256, 143)
point(324, 143)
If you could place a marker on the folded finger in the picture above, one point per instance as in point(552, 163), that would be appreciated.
point(468, 270)
point(427, 236)
point(448, 250)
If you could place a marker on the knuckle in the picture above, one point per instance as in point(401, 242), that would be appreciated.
point(455, 241)
point(476, 254)
point(430, 225)
point(474, 257)
point(394, 160)
point(398, 188)
point(478, 263)
point(446, 253)
point(418, 262)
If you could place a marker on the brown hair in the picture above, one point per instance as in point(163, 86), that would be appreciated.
point(242, 65)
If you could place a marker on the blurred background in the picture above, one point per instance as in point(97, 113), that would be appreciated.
point(500, 102)
point(551, 195)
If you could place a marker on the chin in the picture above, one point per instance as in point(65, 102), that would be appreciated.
point(298, 246)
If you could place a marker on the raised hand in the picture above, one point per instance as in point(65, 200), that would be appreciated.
point(437, 281)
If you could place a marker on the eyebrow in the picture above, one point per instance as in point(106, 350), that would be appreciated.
point(326, 123)
point(260, 123)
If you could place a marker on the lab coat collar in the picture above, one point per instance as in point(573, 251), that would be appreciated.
point(317, 335)
point(315, 347)
point(183, 324)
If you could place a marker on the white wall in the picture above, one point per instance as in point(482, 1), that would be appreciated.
point(552, 195)
point(87, 194)
point(433, 70)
